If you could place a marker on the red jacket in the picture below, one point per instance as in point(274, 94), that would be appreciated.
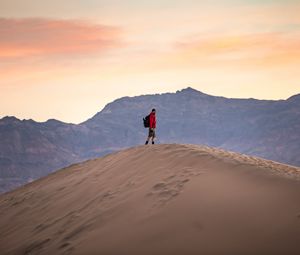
point(152, 120)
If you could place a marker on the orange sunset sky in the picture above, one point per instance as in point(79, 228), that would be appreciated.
point(67, 59)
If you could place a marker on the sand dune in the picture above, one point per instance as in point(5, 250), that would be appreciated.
point(161, 199)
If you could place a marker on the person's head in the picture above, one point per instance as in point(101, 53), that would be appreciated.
point(153, 111)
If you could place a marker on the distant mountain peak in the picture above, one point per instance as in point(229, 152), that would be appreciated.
point(10, 119)
point(54, 121)
point(294, 98)
point(189, 89)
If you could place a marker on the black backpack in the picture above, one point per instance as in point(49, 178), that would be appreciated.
point(147, 121)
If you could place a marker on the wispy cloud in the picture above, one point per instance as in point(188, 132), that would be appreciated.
point(271, 48)
point(43, 37)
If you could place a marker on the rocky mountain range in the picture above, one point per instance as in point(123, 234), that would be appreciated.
point(264, 128)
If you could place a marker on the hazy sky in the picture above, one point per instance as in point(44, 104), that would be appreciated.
point(66, 59)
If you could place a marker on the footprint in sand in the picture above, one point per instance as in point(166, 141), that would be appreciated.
point(171, 186)
point(36, 247)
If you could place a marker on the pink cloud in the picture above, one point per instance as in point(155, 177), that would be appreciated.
point(275, 41)
point(264, 48)
point(44, 37)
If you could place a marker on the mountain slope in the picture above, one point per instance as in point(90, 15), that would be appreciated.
point(161, 199)
point(269, 129)
point(264, 128)
point(29, 150)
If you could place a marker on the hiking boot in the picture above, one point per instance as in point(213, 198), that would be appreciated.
point(146, 142)
point(152, 142)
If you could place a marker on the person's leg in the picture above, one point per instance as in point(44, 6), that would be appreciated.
point(149, 136)
point(147, 141)
point(153, 136)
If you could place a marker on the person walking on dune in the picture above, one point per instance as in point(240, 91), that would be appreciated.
point(150, 121)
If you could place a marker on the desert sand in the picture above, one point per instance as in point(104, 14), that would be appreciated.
point(157, 199)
